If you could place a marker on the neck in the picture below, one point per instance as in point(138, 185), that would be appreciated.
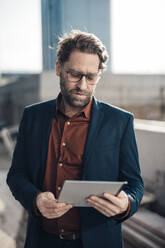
point(69, 110)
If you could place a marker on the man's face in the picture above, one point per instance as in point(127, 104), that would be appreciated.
point(78, 94)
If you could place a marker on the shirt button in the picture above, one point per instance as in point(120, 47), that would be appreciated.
point(60, 164)
point(63, 144)
point(58, 187)
point(68, 122)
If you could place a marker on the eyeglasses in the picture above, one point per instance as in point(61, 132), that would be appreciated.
point(75, 77)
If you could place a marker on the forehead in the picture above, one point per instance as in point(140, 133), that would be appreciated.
point(83, 62)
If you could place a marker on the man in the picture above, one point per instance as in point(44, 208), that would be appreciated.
point(78, 138)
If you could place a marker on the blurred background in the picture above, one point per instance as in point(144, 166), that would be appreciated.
point(133, 33)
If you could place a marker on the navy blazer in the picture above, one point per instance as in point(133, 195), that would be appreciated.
point(110, 155)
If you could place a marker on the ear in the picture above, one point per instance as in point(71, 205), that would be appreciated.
point(58, 68)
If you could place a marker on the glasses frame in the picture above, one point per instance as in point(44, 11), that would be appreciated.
point(81, 75)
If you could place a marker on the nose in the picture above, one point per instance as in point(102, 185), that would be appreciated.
point(83, 83)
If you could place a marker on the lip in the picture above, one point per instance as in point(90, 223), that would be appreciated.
point(79, 94)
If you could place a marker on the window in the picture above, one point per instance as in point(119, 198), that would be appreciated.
point(20, 39)
point(137, 36)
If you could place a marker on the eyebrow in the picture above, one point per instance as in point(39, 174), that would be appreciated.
point(89, 74)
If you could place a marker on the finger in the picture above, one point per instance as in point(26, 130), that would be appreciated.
point(49, 195)
point(56, 209)
point(56, 214)
point(104, 204)
point(42, 200)
point(46, 211)
point(49, 203)
point(101, 209)
point(63, 212)
point(65, 208)
point(121, 201)
point(62, 205)
point(116, 199)
point(46, 196)
point(112, 198)
point(50, 216)
point(122, 194)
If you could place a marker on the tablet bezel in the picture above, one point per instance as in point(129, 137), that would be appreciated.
point(76, 191)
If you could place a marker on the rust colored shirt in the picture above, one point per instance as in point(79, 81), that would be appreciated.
point(64, 161)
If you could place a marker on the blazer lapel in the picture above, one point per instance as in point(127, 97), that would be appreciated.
point(96, 120)
point(45, 132)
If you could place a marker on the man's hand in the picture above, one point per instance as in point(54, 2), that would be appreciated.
point(111, 205)
point(49, 207)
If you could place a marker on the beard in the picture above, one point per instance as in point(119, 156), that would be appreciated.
point(70, 94)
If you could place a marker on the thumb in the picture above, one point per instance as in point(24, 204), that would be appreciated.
point(49, 195)
point(122, 194)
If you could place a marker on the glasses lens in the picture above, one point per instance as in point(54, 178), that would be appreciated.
point(74, 76)
point(91, 79)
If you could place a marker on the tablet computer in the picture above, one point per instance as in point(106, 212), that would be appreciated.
point(75, 191)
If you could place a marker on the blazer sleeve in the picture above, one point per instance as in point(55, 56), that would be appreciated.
point(17, 179)
point(130, 168)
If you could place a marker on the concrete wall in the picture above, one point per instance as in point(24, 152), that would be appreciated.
point(49, 85)
point(150, 137)
point(151, 145)
point(144, 95)
point(24, 90)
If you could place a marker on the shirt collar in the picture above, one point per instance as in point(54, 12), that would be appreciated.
point(86, 111)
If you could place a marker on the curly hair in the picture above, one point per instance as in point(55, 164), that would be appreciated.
point(84, 42)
